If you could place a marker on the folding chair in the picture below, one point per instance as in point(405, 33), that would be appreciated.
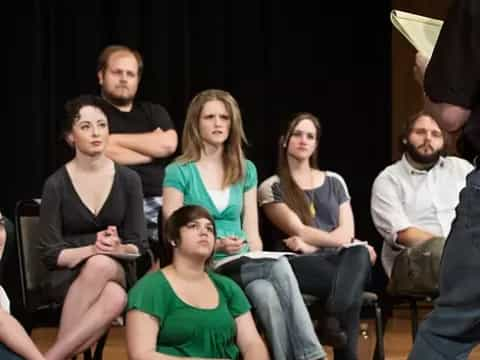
point(38, 310)
point(369, 300)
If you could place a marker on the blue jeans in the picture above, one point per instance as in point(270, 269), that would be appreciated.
point(273, 290)
point(453, 327)
point(7, 354)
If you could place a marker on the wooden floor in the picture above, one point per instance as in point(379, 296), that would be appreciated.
point(397, 339)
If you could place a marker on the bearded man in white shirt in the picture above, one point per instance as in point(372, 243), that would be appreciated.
point(413, 205)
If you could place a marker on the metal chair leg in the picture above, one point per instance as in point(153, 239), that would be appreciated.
point(87, 354)
point(414, 315)
point(98, 355)
point(379, 347)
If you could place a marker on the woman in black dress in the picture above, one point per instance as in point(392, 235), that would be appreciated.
point(91, 223)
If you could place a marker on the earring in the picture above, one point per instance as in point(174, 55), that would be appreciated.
point(173, 243)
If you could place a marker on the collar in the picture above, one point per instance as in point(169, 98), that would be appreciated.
point(413, 171)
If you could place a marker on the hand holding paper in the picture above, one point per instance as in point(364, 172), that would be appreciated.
point(422, 32)
point(419, 68)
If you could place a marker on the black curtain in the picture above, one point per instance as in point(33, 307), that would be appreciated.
point(276, 58)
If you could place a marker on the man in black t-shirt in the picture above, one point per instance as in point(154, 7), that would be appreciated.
point(452, 86)
point(142, 135)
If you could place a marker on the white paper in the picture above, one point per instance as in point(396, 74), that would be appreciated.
point(252, 255)
point(421, 31)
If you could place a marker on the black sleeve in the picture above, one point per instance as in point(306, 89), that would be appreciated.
point(134, 228)
point(452, 75)
point(161, 118)
point(52, 240)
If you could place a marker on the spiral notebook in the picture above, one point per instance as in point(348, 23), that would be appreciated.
point(421, 31)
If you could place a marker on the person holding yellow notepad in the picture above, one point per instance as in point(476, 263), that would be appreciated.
point(452, 88)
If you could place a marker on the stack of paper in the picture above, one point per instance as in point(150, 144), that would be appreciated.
point(422, 32)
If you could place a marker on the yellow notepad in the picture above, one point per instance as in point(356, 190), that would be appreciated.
point(422, 32)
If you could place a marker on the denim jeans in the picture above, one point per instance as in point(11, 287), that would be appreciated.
point(7, 354)
point(453, 327)
point(273, 290)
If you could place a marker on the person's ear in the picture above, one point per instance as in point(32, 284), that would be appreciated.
point(69, 139)
point(100, 77)
point(404, 141)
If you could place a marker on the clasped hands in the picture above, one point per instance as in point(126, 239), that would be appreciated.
point(108, 241)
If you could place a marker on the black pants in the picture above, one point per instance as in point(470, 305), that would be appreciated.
point(337, 278)
point(452, 329)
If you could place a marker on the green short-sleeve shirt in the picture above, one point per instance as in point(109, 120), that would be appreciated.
point(186, 330)
point(186, 179)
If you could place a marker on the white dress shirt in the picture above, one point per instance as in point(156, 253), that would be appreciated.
point(404, 197)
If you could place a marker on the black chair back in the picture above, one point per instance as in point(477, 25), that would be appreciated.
point(32, 271)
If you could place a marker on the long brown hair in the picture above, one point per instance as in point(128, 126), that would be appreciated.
point(192, 143)
point(293, 196)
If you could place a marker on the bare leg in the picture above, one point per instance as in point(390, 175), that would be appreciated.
point(16, 338)
point(110, 304)
point(94, 299)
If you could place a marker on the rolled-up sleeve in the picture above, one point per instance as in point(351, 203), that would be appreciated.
point(387, 211)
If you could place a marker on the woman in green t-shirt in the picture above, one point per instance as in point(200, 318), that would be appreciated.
point(213, 172)
point(186, 311)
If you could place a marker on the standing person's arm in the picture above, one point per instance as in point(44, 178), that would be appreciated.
point(452, 83)
point(144, 147)
point(155, 144)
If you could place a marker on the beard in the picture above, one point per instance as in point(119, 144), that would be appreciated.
point(117, 100)
point(424, 159)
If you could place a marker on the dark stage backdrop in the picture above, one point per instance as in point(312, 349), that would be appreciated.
point(276, 58)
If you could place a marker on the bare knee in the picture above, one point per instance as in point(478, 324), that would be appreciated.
point(100, 268)
point(115, 299)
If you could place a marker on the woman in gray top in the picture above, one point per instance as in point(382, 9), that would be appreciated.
point(312, 208)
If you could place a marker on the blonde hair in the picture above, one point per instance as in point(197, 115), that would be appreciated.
point(192, 143)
